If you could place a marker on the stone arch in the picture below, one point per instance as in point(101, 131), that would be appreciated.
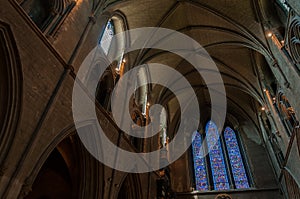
point(48, 15)
point(54, 175)
point(81, 173)
point(10, 88)
point(138, 119)
point(110, 70)
point(131, 187)
point(105, 88)
point(293, 38)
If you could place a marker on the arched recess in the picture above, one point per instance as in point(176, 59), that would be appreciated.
point(139, 106)
point(286, 112)
point(141, 93)
point(48, 15)
point(55, 179)
point(10, 89)
point(138, 119)
point(104, 73)
point(293, 38)
point(105, 88)
point(117, 48)
point(65, 170)
point(131, 187)
point(40, 12)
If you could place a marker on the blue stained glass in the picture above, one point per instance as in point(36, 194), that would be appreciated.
point(218, 168)
point(107, 36)
point(199, 164)
point(236, 162)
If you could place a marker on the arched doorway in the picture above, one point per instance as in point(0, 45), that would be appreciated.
point(70, 171)
point(130, 188)
point(54, 180)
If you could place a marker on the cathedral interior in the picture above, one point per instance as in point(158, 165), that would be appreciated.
point(255, 46)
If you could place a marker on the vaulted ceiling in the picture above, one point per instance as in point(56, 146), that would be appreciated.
point(231, 31)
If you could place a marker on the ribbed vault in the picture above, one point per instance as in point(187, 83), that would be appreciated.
point(232, 34)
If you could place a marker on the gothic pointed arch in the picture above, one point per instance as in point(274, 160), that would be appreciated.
point(139, 120)
point(130, 188)
point(48, 15)
point(107, 47)
point(105, 88)
point(65, 170)
point(293, 38)
point(10, 88)
point(223, 167)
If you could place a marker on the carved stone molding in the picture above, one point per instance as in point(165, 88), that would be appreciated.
point(10, 87)
point(297, 131)
point(26, 189)
point(293, 37)
point(223, 196)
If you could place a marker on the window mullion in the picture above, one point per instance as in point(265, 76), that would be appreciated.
point(208, 166)
point(227, 163)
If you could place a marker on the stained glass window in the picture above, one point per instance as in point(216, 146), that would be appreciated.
point(199, 164)
point(235, 158)
point(220, 147)
point(107, 36)
point(216, 156)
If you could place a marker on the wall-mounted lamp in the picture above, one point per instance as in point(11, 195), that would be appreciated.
point(269, 34)
point(263, 108)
